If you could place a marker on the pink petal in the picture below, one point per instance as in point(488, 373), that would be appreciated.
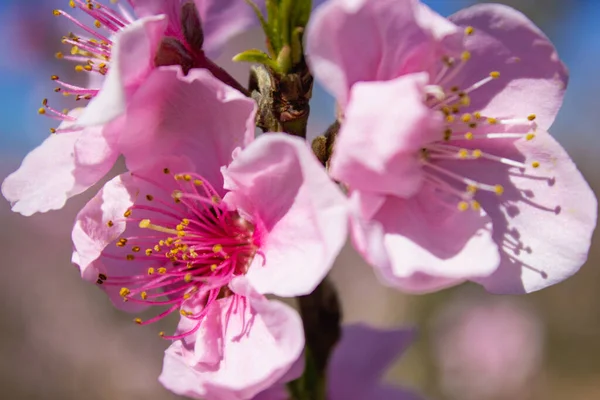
point(360, 360)
point(132, 57)
point(532, 77)
point(195, 115)
point(300, 212)
point(259, 342)
point(92, 234)
point(357, 40)
point(422, 244)
point(544, 220)
point(377, 148)
point(56, 170)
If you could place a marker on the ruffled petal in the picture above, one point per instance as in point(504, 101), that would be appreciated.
point(544, 220)
point(258, 344)
point(423, 244)
point(195, 115)
point(132, 57)
point(378, 151)
point(532, 77)
point(57, 170)
point(350, 41)
point(299, 212)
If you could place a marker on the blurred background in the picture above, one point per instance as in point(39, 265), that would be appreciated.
point(61, 339)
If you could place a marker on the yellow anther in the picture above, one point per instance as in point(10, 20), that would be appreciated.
point(71, 4)
point(471, 189)
point(492, 121)
point(450, 118)
point(177, 194)
point(151, 271)
point(127, 214)
point(469, 30)
point(465, 100)
point(144, 295)
point(161, 333)
point(217, 248)
point(135, 249)
point(162, 270)
point(495, 74)
point(124, 292)
point(137, 321)
point(52, 130)
point(198, 182)
point(87, 68)
point(499, 189)
point(187, 177)
point(187, 278)
point(178, 177)
point(157, 248)
point(446, 110)
point(169, 241)
point(180, 227)
point(41, 111)
point(56, 12)
point(469, 135)
point(110, 224)
point(97, 24)
point(535, 164)
point(148, 252)
point(463, 206)
point(476, 153)
point(213, 267)
point(149, 197)
point(166, 171)
point(130, 257)
point(530, 136)
point(216, 199)
point(475, 205)
point(465, 56)
point(185, 221)
point(531, 117)
point(477, 115)
point(186, 296)
point(466, 118)
point(463, 153)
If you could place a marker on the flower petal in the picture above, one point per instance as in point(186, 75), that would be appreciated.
point(420, 244)
point(532, 77)
point(298, 210)
point(260, 342)
point(132, 57)
point(544, 220)
point(195, 115)
point(357, 40)
point(360, 359)
point(377, 148)
point(103, 220)
point(56, 170)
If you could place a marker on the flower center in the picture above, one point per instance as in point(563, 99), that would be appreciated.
point(463, 134)
point(196, 244)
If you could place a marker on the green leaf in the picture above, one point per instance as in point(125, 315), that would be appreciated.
point(273, 21)
point(285, 18)
point(284, 59)
point(258, 57)
point(301, 13)
point(296, 45)
point(267, 28)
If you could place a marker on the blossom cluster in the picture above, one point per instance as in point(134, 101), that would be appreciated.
point(440, 169)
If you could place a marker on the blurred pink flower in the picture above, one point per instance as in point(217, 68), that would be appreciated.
point(444, 145)
point(488, 348)
point(358, 364)
point(121, 54)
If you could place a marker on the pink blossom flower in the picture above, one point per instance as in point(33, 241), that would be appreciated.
point(444, 145)
point(120, 53)
point(357, 365)
point(499, 340)
point(205, 228)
